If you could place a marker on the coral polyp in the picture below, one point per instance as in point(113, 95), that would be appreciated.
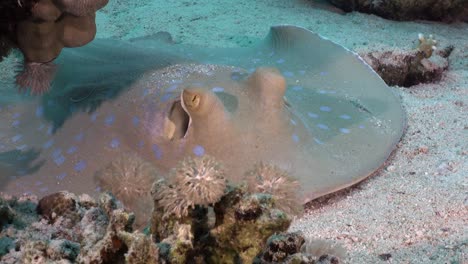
point(170, 199)
point(270, 179)
point(201, 178)
point(129, 178)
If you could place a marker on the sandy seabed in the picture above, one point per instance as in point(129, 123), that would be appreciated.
point(415, 210)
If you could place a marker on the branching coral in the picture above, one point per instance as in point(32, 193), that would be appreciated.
point(265, 178)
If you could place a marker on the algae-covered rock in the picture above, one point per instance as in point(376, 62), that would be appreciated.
point(72, 229)
point(244, 223)
point(280, 246)
point(293, 248)
point(440, 10)
point(141, 248)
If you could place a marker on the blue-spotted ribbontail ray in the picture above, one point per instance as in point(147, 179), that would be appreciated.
point(294, 100)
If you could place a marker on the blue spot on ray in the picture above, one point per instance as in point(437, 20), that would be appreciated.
point(48, 144)
point(22, 147)
point(199, 150)
point(297, 88)
point(93, 117)
point(288, 74)
point(61, 176)
point(172, 88)
point(325, 108)
point(166, 97)
point(115, 143)
point(135, 120)
point(109, 120)
point(39, 111)
point(295, 138)
point(79, 137)
point(72, 149)
point(217, 89)
point(345, 130)
point(322, 126)
point(312, 115)
point(59, 160)
point(157, 151)
point(15, 123)
point(80, 166)
point(16, 138)
point(56, 152)
point(280, 61)
point(346, 117)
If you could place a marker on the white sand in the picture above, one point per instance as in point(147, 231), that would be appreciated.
point(416, 208)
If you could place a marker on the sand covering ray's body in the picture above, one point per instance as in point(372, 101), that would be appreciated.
point(339, 123)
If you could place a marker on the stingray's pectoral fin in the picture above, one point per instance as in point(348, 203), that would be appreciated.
point(267, 86)
point(205, 110)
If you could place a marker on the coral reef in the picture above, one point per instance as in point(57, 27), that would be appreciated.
point(92, 238)
point(243, 222)
point(408, 68)
point(231, 224)
point(441, 10)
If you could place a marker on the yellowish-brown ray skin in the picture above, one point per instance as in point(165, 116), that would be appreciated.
point(259, 129)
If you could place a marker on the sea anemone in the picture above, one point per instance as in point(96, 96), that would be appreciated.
point(170, 199)
point(200, 179)
point(129, 178)
point(266, 178)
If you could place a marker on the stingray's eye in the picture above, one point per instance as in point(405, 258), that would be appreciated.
point(191, 99)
